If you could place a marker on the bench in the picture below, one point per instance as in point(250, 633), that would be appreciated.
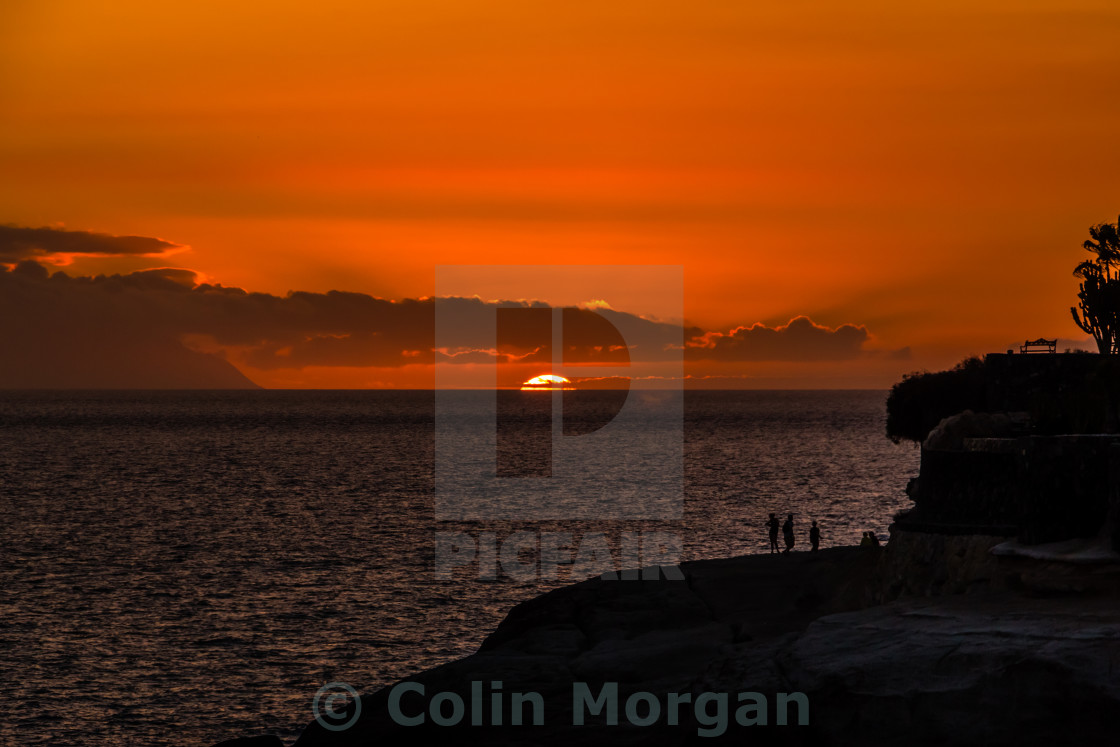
point(1041, 345)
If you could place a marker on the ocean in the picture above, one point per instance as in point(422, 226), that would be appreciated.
point(186, 567)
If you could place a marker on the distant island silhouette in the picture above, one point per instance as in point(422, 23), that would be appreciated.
point(57, 345)
point(118, 364)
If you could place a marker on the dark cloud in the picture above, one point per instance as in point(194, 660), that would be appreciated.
point(143, 314)
point(799, 340)
point(18, 243)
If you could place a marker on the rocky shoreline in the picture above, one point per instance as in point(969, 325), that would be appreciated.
point(989, 618)
point(931, 640)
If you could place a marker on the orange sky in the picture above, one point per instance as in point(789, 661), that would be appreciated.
point(927, 170)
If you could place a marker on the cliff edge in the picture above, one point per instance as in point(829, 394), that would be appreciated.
point(997, 650)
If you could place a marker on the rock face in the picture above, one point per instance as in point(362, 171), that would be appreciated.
point(1005, 671)
point(989, 662)
point(951, 432)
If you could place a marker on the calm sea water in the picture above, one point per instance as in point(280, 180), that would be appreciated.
point(181, 568)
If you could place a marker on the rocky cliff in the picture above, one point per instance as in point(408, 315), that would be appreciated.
point(932, 640)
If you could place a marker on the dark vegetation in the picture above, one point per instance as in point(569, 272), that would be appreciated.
point(918, 403)
point(1062, 394)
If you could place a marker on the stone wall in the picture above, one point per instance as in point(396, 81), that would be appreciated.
point(1038, 488)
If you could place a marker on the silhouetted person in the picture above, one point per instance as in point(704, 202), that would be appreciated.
point(815, 537)
point(874, 539)
point(866, 540)
point(787, 532)
point(773, 525)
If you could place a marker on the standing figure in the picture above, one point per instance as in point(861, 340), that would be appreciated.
point(787, 532)
point(815, 537)
point(773, 525)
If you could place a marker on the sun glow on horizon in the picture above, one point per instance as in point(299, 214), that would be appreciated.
point(546, 382)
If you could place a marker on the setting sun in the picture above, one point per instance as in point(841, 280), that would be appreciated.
point(546, 382)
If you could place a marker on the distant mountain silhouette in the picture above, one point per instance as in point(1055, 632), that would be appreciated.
point(100, 333)
point(115, 364)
